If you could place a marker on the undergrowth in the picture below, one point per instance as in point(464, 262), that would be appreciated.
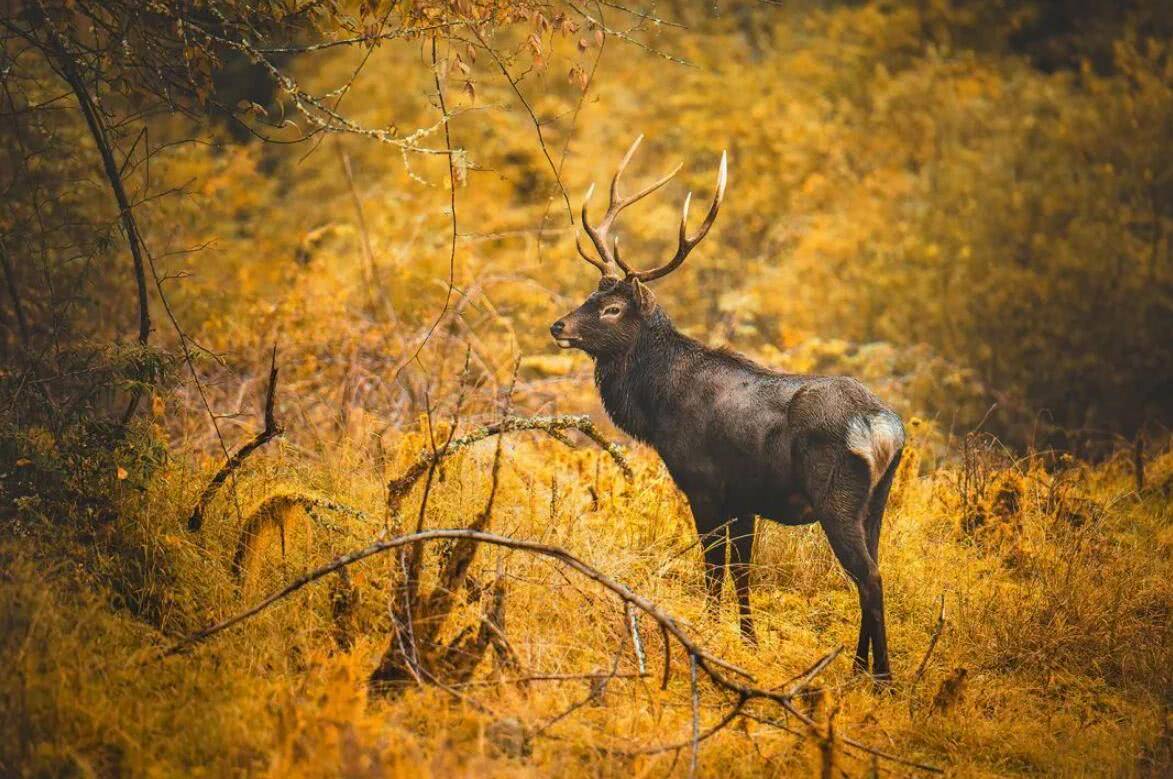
point(1054, 657)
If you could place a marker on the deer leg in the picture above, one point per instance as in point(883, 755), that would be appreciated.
point(713, 530)
point(840, 489)
point(741, 538)
point(881, 671)
point(849, 542)
point(876, 505)
point(714, 543)
point(876, 629)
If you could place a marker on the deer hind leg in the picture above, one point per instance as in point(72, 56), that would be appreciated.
point(741, 538)
point(849, 542)
point(840, 487)
point(876, 505)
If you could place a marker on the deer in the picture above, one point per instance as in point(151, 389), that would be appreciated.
point(740, 440)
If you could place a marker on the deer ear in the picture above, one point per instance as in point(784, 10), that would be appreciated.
point(644, 297)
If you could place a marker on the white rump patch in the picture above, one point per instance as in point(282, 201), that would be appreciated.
point(876, 438)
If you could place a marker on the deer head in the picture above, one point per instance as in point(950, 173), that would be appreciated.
point(609, 321)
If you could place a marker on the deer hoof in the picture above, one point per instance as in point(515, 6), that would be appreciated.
point(882, 684)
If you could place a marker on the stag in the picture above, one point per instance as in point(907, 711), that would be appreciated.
point(740, 440)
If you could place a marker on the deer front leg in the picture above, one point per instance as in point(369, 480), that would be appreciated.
point(741, 537)
point(714, 543)
point(714, 536)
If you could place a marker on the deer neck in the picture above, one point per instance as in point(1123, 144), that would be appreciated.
point(636, 386)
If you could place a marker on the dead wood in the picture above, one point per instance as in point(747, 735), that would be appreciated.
point(275, 512)
point(272, 430)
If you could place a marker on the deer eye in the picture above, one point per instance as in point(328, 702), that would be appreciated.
point(612, 311)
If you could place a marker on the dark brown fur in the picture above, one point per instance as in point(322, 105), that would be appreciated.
point(741, 440)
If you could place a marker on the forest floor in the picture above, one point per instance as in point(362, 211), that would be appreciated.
point(1054, 657)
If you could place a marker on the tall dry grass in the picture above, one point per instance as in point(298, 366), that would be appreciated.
point(1055, 579)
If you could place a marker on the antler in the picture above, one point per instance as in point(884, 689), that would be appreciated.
point(610, 254)
point(687, 244)
point(609, 258)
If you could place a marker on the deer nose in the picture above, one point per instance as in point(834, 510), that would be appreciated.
point(557, 328)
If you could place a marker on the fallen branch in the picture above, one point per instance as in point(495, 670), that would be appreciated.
point(850, 742)
point(597, 690)
point(667, 658)
point(704, 661)
point(695, 738)
point(423, 618)
point(524, 680)
point(275, 511)
point(272, 430)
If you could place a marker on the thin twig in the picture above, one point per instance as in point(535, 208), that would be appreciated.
point(374, 280)
point(924, 662)
point(800, 682)
point(636, 641)
point(695, 738)
point(581, 677)
point(667, 658)
point(272, 429)
point(554, 168)
point(598, 688)
point(696, 717)
point(455, 233)
point(398, 487)
point(625, 37)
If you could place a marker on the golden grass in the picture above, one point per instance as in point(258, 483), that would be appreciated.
point(1057, 608)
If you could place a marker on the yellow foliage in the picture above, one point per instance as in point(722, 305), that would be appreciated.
point(910, 202)
point(1060, 653)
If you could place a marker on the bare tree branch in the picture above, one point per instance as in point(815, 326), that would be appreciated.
point(67, 67)
point(554, 168)
point(924, 662)
point(270, 431)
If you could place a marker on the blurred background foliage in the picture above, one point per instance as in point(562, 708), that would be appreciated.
point(962, 203)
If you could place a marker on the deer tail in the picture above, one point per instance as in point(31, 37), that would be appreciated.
point(876, 438)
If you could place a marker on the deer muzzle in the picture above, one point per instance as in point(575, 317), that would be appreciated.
point(565, 338)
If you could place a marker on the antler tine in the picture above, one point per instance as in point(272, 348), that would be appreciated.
point(599, 235)
point(622, 167)
point(687, 244)
point(650, 188)
point(602, 267)
point(618, 202)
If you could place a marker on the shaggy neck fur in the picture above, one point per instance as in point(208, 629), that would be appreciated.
point(637, 385)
